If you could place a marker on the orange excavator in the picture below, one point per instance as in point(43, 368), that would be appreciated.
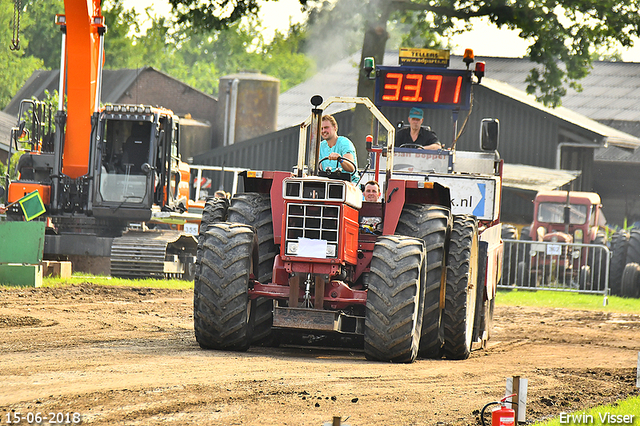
point(110, 176)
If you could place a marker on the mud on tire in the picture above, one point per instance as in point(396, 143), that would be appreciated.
point(395, 299)
point(432, 224)
point(221, 304)
point(254, 209)
point(460, 301)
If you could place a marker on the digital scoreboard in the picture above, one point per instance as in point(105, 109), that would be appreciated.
point(423, 87)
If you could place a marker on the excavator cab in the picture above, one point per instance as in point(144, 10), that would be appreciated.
point(136, 161)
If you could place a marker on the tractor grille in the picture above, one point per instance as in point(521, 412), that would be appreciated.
point(312, 221)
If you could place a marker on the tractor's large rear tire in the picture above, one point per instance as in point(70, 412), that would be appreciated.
point(432, 224)
point(215, 211)
point(255, 209)
point(619, 244)
point(633, 249)
point(221, 304)
point(395, 299)
point(462, 279)
point(631, 281)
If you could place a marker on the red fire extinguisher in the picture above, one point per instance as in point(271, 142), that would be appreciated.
point(502, 416)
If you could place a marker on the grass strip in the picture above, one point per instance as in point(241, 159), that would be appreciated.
point(625, 412)
point(558, 299)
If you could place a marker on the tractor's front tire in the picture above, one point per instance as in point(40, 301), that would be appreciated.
point(432, 224)
point(395, 299)
point(215, 211)
point(254, 209)
point(221, 304)
point(462, 279)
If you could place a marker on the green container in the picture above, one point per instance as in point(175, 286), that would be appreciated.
point(21, 275)
point(21, 242)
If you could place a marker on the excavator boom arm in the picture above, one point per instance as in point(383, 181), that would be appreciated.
point(84, 24)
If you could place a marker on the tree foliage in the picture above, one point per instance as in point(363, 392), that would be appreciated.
point(563, 34)
point(15, 65)
point(185, 52)
point(41, 31)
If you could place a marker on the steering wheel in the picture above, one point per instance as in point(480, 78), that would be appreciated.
point(410, 145)
point(355, 169)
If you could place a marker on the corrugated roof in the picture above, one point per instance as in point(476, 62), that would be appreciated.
point(531, 178)
point(340, 79)
point(114, 85)
point(6, 123)
point(617, 155)
point(604, 89)
point(613, 136)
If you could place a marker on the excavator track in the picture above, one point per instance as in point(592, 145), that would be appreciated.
point(154, 254)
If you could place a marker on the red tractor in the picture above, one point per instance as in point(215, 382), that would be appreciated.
point(290, 260)
point(569, 221)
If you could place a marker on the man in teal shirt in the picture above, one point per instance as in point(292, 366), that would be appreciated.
point(334, 147)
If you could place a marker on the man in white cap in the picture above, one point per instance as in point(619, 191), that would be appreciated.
point(415, 134)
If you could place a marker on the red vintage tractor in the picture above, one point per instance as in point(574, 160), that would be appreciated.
point(567, 222)
point(291, 258)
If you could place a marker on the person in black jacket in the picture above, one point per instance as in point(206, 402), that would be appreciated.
point(416, 134)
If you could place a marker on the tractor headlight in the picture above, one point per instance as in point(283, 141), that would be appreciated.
point(292, 248)
point(331, 250)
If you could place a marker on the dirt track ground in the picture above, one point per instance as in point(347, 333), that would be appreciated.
point(128, 356)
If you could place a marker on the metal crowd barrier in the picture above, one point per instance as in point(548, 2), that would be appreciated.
point(571, 267)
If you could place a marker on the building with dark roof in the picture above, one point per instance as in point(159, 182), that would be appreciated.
point(146, 86)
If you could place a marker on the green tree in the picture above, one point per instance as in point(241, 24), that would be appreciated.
point(185, 52)
point(15, 65)
point(45, 40)
point(284, 58)
point(42, 32)
point(201, 58)
point(122, 41)
point(563, 34)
